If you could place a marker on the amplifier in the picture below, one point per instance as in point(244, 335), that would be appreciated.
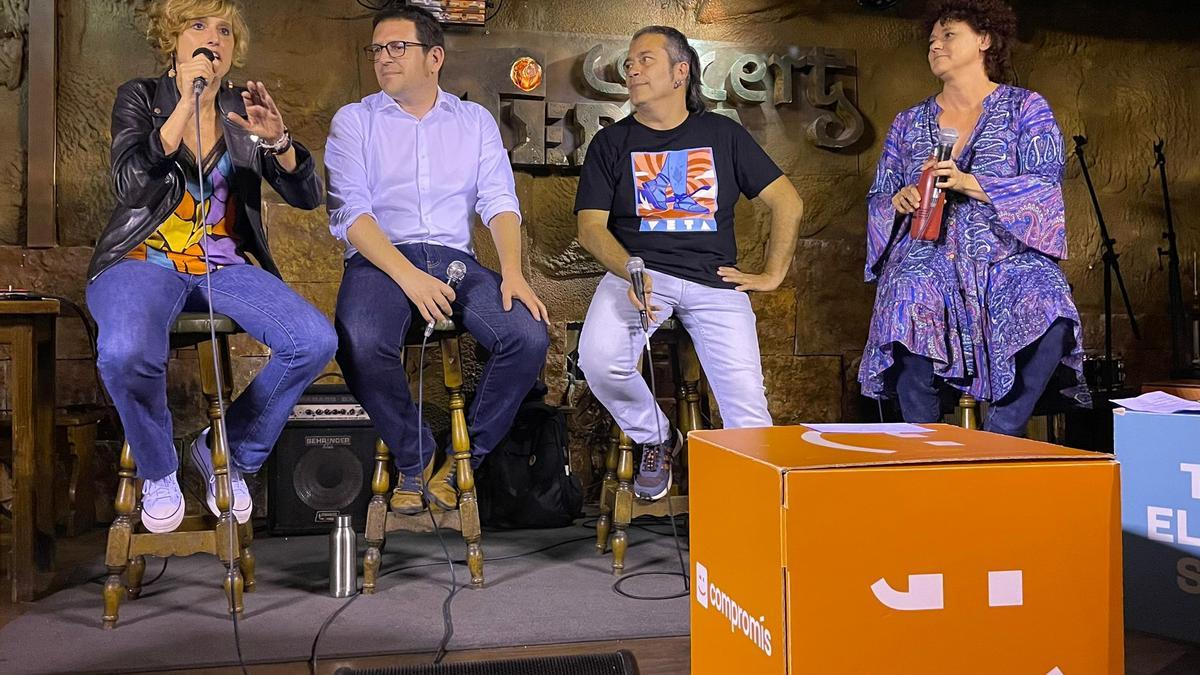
point(327, 403)
point(322, 464)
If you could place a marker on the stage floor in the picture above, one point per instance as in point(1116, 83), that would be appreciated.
point(543, 587)
point(556, 601)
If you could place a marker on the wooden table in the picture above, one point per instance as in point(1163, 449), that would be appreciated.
point(1189, 389)
point(27, 326)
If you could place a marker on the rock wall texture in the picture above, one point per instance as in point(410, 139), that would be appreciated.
point(1124, 74)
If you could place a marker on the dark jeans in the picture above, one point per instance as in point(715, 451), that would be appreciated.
point(917, 387)
point(136, 302)
point(372, 319)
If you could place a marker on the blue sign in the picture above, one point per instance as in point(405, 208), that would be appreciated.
point(1160, 519)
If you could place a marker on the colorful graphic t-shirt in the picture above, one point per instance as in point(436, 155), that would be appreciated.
point(176, 244)
point(670, 194)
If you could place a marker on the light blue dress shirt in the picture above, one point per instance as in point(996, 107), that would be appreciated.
point(423, 180)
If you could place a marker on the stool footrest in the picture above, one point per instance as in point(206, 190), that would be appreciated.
point(174, 544)
point(658, 508)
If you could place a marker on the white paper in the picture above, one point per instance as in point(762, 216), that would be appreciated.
point(1158, 402)
point(876, 428)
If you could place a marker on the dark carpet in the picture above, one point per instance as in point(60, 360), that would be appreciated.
point(560, 594)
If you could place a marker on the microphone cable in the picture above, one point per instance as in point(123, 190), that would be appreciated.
point(202, 216)
point(447, 618)
point(313, 661)
point(683, 570)
point(454, 588)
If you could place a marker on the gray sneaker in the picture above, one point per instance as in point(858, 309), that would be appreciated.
point(654, 475)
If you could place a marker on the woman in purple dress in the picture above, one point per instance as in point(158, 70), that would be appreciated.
point(984, 308)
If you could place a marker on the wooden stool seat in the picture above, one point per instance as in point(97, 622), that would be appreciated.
point(221, 537)
point(446, 334)
point(618, 507)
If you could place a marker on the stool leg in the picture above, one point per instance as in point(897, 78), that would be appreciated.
point(689, 366)
point(968, 412)
point(623, 503)
point(82, 493)
point(376, 518)
point(120, 536)
point(460, 442)
point(683, 414)
point(246, 561)
point(228, 548)
point(608, 490)
point(234, 586)
point(134, 576)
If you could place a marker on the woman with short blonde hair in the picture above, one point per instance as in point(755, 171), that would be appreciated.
point(168, 20)
point(189, 153)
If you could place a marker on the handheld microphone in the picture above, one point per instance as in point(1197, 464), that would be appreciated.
point(454, 274)
point(636, 267)
point(199, 83)
point(927, 219)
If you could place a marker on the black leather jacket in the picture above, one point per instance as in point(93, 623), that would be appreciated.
point(149, 184)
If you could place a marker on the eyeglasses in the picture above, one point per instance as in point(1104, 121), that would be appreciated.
point(395, 49)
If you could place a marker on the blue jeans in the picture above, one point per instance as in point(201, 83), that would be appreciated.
point(372, 319)
point(136, 302)
point(917, 386)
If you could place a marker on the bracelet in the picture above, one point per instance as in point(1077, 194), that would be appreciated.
point(278, 147)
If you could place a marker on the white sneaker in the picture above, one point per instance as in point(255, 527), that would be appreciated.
point(202, 457)
point(162, 504)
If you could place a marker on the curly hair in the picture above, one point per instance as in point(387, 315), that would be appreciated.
point(993, 17)
point(169, 18)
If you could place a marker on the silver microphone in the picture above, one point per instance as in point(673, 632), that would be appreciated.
point(636, 267)
point(454, 274)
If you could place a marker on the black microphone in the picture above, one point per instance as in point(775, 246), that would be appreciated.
point(454, 274)
point(199, 83)
point(947, 138)
point(635, 267)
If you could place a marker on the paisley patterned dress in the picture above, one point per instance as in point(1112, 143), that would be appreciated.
point(992, 284)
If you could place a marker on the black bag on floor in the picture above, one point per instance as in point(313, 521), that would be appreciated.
point(527, 482)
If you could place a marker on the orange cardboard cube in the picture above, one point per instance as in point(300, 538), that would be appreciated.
point(899, 549)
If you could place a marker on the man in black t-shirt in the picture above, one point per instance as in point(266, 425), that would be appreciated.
point(661, 185)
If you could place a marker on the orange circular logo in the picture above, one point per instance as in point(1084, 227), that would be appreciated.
point(526, 74)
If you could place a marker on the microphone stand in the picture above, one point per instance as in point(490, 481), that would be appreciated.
point(1111, 268)
point(217, 429)
point(1180, 365)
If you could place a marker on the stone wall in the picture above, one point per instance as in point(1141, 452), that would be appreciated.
point(1121, 73)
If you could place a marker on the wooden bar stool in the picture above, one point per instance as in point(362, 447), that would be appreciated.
point(127, 547)
point(76, 492)
point(618, 507)
point(446, 334)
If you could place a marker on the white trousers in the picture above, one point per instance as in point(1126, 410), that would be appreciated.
point(721, 324)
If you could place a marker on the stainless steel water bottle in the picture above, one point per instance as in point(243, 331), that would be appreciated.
point(343, 549)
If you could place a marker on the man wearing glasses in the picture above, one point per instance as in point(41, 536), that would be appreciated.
point(408, 170)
